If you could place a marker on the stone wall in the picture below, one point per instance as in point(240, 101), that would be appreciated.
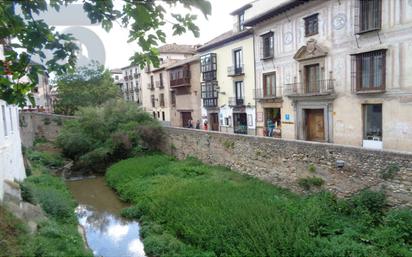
point(40, 125)
point(283, 162)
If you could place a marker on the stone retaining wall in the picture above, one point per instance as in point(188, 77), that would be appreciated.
point(40, 125)
point(283, 162)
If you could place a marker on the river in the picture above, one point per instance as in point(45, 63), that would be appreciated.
point(106, 232)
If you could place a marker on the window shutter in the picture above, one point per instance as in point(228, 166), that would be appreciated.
point(354, 73)
point(356, 16)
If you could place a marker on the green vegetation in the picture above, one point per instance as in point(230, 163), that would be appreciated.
point(309, 182)
point(58, 235)
point(33, 36)
point(102, 135)
point(390, 171)
point(87, 86)
point(13, 234)
point(312, 168)
point(187, 208)
point(229, 144)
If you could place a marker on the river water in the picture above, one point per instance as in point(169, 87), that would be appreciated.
point(107, 233)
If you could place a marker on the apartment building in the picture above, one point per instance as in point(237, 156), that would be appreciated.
point(117, 76)
point(335, 71)
point(184, 81)
point(228, 79)
point(156, 90)
point(131, 84)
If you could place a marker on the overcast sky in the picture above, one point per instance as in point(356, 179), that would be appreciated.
point(116, 49)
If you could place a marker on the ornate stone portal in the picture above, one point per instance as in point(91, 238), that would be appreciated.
point(311, 50)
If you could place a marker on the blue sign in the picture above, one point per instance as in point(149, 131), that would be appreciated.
point(287, 117)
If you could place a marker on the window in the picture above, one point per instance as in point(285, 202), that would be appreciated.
point(158, 115)
point(161, 80)
point(163, 116)
point(372, 118)
point(369, 15)
point(11, 120)
point(267, 45)
point(241, 20)
point(269, 84)
point(173, 98)
point(239, 90)
point(312, 78)
point(208, 67)
point(3, 113)
point(162, 100)
point(311, 25)
point(154, 115)
point(116, 77)
point(152, 99)
point(238, 60)
point(369, 71)
point(151, 81)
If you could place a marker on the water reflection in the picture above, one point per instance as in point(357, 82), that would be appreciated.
point(107, 234)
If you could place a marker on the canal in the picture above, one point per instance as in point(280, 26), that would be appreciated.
point(98, 212)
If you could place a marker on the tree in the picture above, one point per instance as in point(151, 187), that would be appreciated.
point(88, 86)
point(145, 18)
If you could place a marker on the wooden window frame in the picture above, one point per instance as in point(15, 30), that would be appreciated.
point(314, 18)
point(272, 87)
point(364, 15)
point(359, 87)
point(271, 48)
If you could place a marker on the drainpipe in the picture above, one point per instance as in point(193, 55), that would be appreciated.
point(254, 72)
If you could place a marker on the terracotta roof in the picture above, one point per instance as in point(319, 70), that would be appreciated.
point(224, 38)
point(178, 49)
point(184, 61)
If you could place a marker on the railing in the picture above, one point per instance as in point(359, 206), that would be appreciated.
point(319, 87)
point(159, 84)
point(126, 78)
point(136, 75)
point(235, 70)
point(150, 86)
point(183, 81)
point(261, 94)
point(209, 102)
point(147, 68)
point(234, 101)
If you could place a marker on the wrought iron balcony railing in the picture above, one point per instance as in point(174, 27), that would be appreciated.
point(262, 94)
point(234, 101)
point(235, 71)
point(310, 88)
point(159, 84)
point(150, 86)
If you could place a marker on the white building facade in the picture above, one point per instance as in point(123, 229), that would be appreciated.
point(336, 71)
point(11, 158)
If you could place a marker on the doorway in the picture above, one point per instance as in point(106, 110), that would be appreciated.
point(186, 116)
point(214, 121)
point(240, 123)
point(315, 124)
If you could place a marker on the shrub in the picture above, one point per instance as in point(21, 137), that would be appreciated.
point(50, 160)
point(308, 183)
point(312, 168)
point(390, 171)
point(123, 130)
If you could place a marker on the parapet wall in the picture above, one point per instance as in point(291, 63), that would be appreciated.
point(40, 125)
point(283, 162)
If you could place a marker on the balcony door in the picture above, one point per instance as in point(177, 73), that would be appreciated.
point(238, 61)
point(312, 78)
point(269, 84)
point(239, 91)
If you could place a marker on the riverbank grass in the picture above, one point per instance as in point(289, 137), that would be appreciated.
point(187, 208)
point(56, 236)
